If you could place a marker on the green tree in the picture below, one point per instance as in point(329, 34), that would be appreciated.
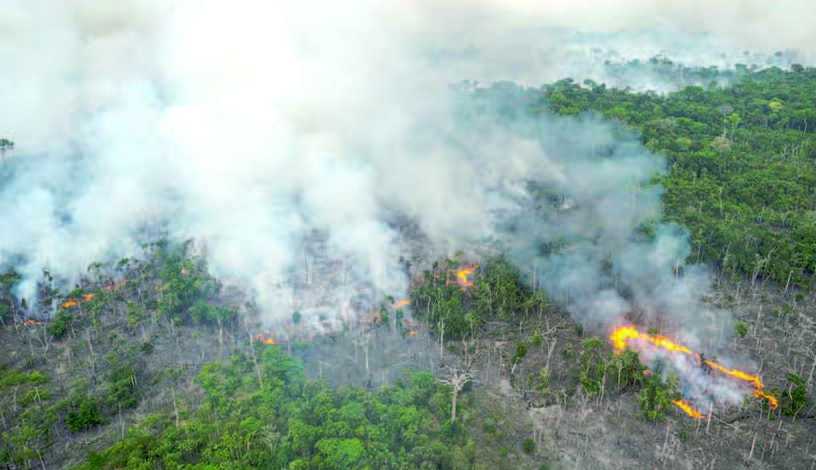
point(795, 397)
point(657, 395)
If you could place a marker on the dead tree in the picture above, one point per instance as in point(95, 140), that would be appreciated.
point(457, 378)
point(363, 341)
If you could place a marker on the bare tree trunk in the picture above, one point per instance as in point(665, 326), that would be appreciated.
point(753, 444)
point(442, 340)
point(93, 355)
point(121, 423)
point(220, 337)
point(453, 404)
point(255, 360)
point(45, 340)
point(175, 404)
point(42, 462)
point(365, 345)
point(550, 352)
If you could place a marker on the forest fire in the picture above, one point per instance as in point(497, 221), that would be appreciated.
point(401, 303)
point(688, 409)
point(623, 335)
point(265, 339)
point(773, 402)
point(463, 275)
point(31, 322)
point(71, 303)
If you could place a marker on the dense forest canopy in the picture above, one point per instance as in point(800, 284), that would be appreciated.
point(742, 163)
point(275, 418)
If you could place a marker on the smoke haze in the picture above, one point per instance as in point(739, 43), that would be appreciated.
point(250, 125)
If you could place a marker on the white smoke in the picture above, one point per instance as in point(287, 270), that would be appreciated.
point(250, 124)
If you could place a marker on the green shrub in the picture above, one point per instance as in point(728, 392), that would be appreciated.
point(135, 314)
point(592, 365)
point(543, 385)
point(657, 395)
point(536, 340)
point(489, 426)
point(122, 389)
point(60, 325)
point(528, 446)
point(83, 414)
point(35, 394)
point(741, 328)
point(627, 369)
point(521, 351)
point(11, 377)
point(795, 397)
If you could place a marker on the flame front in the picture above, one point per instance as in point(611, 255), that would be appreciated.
point(688, 409)
point(773, 402)
point(401, 303)
point(737, 374)
point(622, 335)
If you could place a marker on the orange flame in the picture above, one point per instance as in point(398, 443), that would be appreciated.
point(773, 402)
point(622, 335)
point(401, 303)
point(737, 374)
point(688, 409)
point(463, 276)
point(267, 340)
point(71, 303)
point(31, 322)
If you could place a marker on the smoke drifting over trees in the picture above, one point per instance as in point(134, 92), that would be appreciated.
point(249, 126)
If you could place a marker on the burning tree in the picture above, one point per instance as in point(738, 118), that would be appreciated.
point(627, 336)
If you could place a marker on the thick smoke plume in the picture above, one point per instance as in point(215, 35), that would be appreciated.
point(250, 126)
